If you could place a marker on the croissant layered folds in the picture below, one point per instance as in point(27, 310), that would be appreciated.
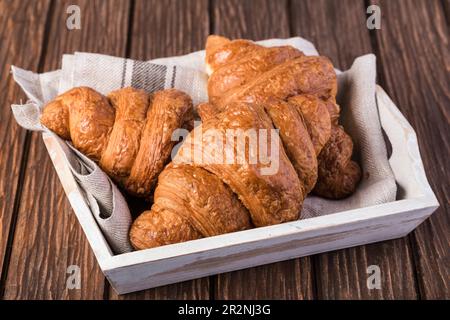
point(128, 133)
point(307, 82)
point(253, 87)
point(190, 203)
point(232, 195)
point(213, 187)
point(271, 198)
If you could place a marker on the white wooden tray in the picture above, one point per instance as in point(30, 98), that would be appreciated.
point(178, 262)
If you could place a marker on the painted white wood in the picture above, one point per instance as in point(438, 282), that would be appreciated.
point(178, 262)
point(398, 211)
point(179, 268)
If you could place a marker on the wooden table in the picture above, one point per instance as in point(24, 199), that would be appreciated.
point(39, 234)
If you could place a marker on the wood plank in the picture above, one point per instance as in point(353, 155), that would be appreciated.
point(169, 28)
point(339, 32)
point(162, 29)
point(48, 237)
point(293, 279)
point(446, 5)
point(413, 48)
point(22, 28)
point(255, 20)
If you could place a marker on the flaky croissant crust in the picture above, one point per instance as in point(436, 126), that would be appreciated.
point(254, 87)
point(309, 83)
point(128, 133)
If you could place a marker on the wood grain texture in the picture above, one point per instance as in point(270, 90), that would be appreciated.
point(48, 237)
point(162, 29)
point(168, 28)
point(339, 32)
point(21, 32)
point(197, 289)
point(413, 63)
point(413, 48)
point(292, 279)
point(446, 5)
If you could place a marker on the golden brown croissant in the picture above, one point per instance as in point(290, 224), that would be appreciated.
point(308, 82)
point(271, 198)
point(206, 198)
point(338, 173)
point(190, 203)
point(128, 133)
point(252, 87)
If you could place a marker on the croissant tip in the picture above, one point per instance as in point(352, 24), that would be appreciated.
point(215, 41)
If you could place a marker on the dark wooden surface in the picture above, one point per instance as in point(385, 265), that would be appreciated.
point(39, 234)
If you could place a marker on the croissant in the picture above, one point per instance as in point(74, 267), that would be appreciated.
point(307, 82)
point(252, 87)
point(128, 133)
point(207, 198)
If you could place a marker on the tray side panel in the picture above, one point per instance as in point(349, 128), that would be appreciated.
point(152, 274)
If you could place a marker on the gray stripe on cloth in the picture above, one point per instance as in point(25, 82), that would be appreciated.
point(148, 76)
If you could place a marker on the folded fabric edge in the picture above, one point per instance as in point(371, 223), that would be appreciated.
point(378, 149)
point(26, 80)
point(27, 116)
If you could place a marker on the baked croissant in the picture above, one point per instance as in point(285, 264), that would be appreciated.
point(128, 133)
point(195, 199)
point(307, 82)
point(252, 87)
